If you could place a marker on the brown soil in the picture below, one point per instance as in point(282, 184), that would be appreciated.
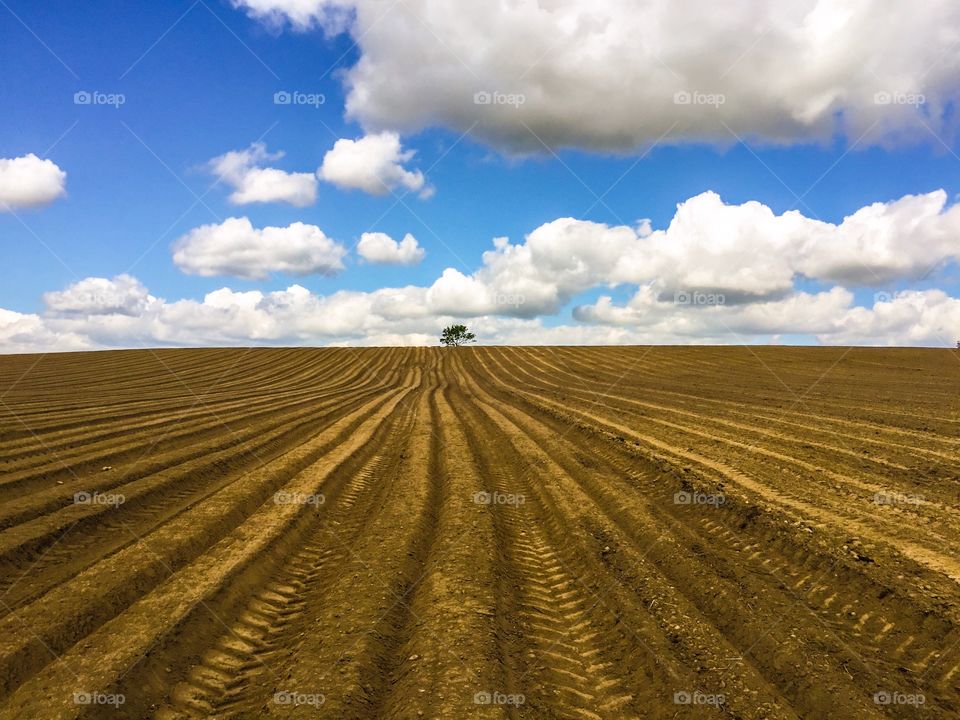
point(644, 532)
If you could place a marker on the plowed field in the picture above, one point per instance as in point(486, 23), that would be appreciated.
point(481, 533)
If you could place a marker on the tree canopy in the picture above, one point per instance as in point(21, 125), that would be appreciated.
point(456, 335)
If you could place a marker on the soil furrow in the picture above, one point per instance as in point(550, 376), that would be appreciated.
point(529, 533)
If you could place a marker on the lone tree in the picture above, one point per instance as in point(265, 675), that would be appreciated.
point(456, 335)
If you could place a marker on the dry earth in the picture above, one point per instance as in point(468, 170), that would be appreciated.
point(483, 532)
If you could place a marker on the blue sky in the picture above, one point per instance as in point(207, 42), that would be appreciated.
point(198, 80)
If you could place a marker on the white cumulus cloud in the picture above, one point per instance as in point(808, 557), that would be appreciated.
point(374, 164)
point(745, 252)
point(377, 247)
point(402, 316)
point(29, 333)
point(615, 74)
point(717, 273)
point(123, 295)
point(235, 247)
point(910, 317)
point(255, 184)
point(29, 181)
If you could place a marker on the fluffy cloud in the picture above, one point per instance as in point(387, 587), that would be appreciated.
point(123, 295)
point(613, 74)
point(301, 14)
point(717, 273)
point(402, 316)
point(374, 164)
point(884, 242)
point(255, 184)
point(235, 247)
point(909, 318)
point(26, 333)
point(745, 252)
point(798, 314)
point(376, 247)
point(29, 181)
point(454, 293)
